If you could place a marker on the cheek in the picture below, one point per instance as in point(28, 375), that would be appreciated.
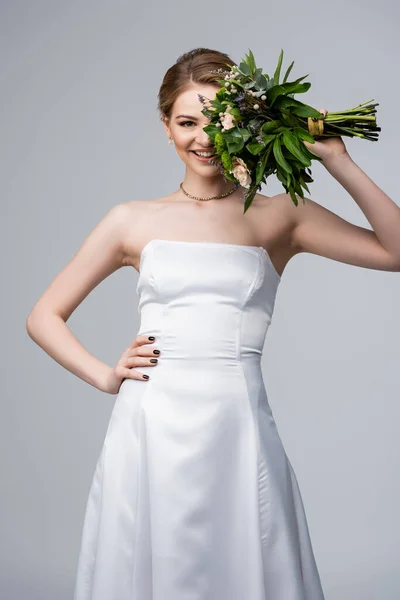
point(184, 137)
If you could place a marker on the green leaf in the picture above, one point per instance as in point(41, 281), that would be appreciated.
point(244, 69)
point(231, 135)
point(271, 126)
point(259, 171)
point(245, 133)
point(298, 188)
point(235, 133)
point(287, 118)
point(293, 196)
point(235, 146)
point(238, 83)
point(287, 102)
point(281, 175)
point(278, 68)
point(303, 111)
point(288, 71)
point(251, 62)
point(260, 80)
point(250, 84)
point(294, 147)
point(249, 198)
point(280, 159)
point(262, 164)
point(255, 147)
point(267, 139)
point(304, 185)
point(287, 88)
point(303, 134)
point(229, 176)
point(235, 111)
point(307, 177)
point(211, 129)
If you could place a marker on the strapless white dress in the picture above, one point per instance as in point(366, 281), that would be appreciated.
point(193, 496)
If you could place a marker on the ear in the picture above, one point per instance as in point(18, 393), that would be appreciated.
point(165, 122)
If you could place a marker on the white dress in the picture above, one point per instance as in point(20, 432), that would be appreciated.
point(193, 496)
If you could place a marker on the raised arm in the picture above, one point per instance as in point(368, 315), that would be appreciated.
point(101, 254)
point(320, 231)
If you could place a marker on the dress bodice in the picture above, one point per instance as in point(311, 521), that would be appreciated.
point(206, 299)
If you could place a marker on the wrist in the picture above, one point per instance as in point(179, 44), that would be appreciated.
point(337, 159)
point(335, 164)
point(103, 379)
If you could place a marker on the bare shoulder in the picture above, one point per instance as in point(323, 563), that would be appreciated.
point(277, 216)
point(141, 208)
point(275, 219)
point(137, 216)
point(141, 213)
point(281, 202)
point(134, 212)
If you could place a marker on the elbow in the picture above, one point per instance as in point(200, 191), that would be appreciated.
point(39, 319)
point(34, 322)
point(30, 325)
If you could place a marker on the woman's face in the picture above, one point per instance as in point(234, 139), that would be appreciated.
point(186, 128)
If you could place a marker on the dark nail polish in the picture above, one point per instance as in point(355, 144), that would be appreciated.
point(154, 360)
point(151, 337)
point(145, 376)
point(156, 352)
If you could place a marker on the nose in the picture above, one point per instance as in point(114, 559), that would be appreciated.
point(204, 139)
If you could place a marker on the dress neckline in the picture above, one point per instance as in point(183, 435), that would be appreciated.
point(206, 243)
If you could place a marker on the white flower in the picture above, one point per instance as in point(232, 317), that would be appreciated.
point(241, 172)
point(256, 106)
point(227, 121)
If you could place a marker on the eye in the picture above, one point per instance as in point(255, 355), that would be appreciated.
point(183, 123)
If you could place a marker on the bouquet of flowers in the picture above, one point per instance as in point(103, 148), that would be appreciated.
point(258, 128)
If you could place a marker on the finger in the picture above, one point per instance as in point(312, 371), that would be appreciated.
point(142, 339)
point(133, 374)
point(144, 350)
point(309, 146)
point(140, 361)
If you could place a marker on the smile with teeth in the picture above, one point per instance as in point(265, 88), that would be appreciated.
point(203, 154)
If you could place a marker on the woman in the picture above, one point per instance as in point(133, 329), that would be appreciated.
point(193, 496)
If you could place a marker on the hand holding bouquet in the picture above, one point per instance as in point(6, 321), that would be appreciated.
point(259, 129)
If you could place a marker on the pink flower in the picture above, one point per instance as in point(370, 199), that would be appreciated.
point(227, 121)
point(241, 172)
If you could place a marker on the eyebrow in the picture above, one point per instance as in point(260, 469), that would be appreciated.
point(187, 117)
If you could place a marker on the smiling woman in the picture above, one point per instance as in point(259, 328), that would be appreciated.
point(193, 495)
point(194, 73)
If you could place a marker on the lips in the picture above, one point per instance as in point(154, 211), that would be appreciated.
point(204, 159)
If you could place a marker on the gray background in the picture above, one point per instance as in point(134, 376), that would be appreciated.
point(78, 122)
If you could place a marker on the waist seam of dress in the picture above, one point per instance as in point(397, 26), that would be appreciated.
point(259, 275)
